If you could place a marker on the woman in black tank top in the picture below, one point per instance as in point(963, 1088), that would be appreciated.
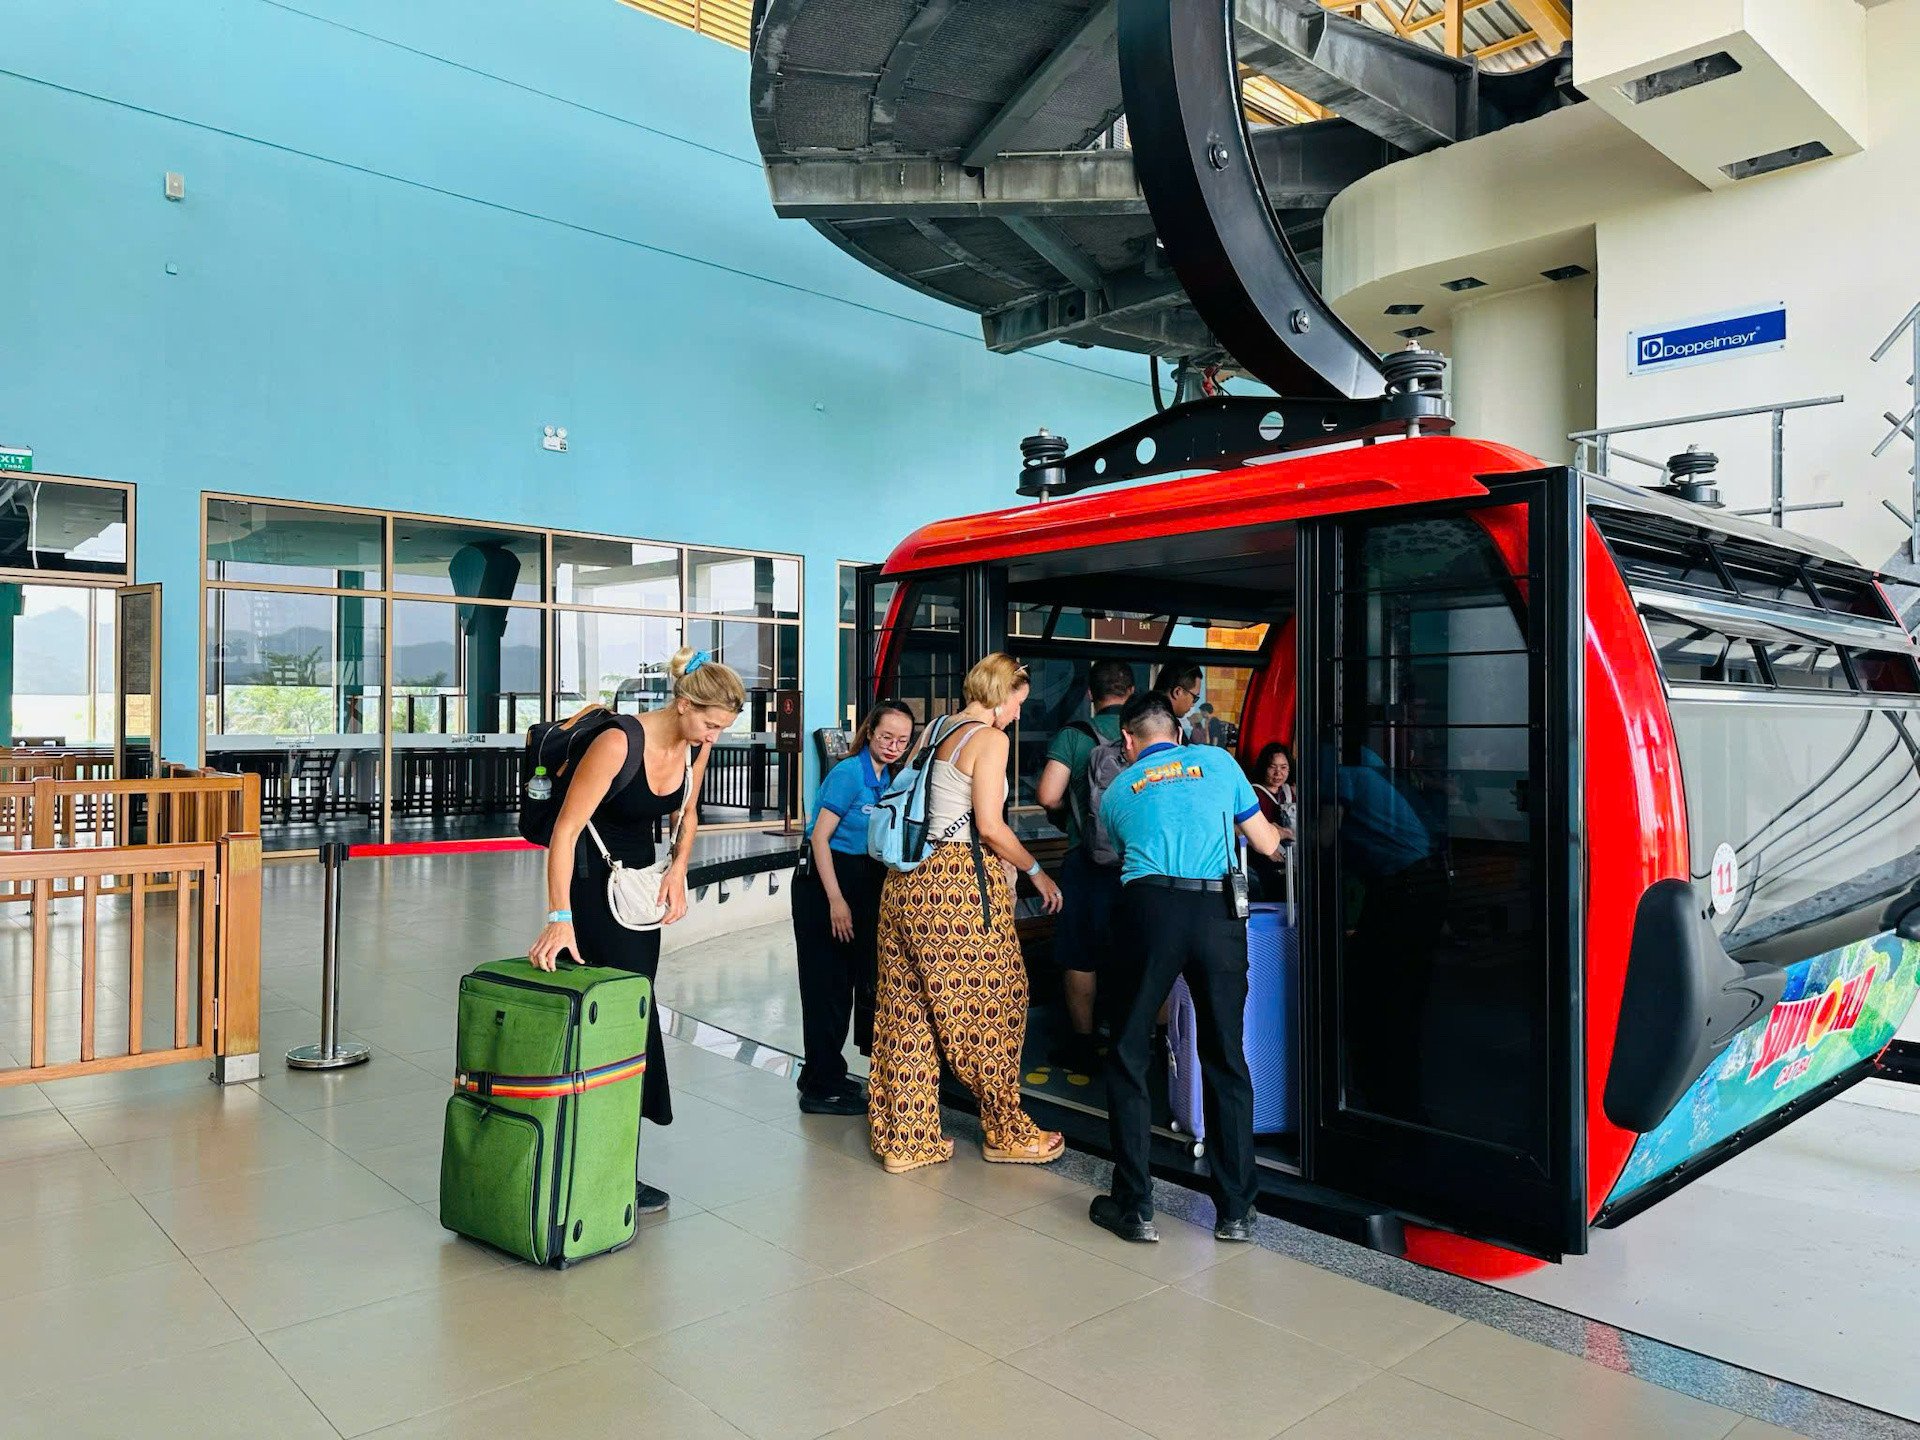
point(707, 697)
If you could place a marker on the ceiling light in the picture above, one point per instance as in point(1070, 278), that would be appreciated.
point(1465, 282)
point(1414, 332)
point(1405, 309)
point(1565, 272)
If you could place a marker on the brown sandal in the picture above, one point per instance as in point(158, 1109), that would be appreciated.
point(1050, 1146)
point(901, 1167)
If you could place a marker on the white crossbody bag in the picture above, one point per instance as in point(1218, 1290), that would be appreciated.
point(638, 897)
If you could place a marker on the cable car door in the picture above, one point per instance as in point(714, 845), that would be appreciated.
point(1441, 700)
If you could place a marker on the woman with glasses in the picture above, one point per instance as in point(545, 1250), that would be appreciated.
point(952, 981)
point(836, 912)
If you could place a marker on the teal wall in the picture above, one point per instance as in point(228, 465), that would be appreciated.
point(415, 232)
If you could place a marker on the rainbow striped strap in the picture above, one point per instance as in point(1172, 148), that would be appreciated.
point(550, 1087)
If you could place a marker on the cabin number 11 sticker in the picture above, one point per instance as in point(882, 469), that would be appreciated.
point(1726, 879)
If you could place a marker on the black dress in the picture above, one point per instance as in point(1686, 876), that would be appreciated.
point(627, 823)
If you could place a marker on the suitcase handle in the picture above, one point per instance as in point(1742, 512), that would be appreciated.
point(549, 1087)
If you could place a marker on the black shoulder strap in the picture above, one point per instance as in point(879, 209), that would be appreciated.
point(636, 753)
point(1085, 727)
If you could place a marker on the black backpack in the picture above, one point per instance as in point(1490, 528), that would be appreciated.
point(556, 746)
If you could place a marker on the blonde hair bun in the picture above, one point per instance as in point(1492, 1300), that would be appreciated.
point(701, 680)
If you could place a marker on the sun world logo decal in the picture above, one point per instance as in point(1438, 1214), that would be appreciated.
point(1796, 1027)
point(1160, 774)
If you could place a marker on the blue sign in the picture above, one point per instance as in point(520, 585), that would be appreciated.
point(1710, 337)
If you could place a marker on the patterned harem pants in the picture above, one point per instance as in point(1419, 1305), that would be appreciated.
point(943, 973)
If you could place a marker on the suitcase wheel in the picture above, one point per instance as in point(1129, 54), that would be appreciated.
point(1197, 1149)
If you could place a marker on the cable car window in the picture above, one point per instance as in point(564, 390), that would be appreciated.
point(1026, 620)
point(1818, 802)
point(1848, 595)
point(1663, 561)
point(1807, 667)
point(1109, 627)
point(927, 666)
point(1881, 673)
point(1691, 654)
point(1198, 633)
point(1765, 578)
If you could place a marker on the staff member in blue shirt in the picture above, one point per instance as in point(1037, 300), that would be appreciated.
point(1171, 812)
point(836, 913)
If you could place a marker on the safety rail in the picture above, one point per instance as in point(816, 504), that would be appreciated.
point(1905, 425)
point(204, 897)
point(1594, 450)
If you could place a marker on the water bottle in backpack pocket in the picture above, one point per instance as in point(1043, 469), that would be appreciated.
point(553, 753)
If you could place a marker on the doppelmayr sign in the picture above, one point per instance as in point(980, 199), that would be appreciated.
point(1707, 338)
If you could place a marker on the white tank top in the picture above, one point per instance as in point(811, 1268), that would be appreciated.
point(950, 797)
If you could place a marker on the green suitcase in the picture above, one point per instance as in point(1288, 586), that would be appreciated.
point(541, 1136)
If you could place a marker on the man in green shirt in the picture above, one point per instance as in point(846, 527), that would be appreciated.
point(1083, 939)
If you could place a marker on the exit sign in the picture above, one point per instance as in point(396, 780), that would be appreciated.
point(15, 457)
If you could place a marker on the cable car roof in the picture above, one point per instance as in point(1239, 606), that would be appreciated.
point(1222, 502)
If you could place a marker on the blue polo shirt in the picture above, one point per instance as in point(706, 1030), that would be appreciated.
point(849, 791)
point(1168, 812)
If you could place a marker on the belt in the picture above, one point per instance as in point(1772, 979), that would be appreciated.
point(1176, 882)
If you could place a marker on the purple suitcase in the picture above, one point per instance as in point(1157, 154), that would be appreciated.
point(1273, 987)
point(1183, 1067)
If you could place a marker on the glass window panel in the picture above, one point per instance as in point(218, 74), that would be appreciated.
point(849, 593)
point(883, 593)
point(767, 656)
point(762, 586)
point(1661, 558)
point(467, 680)
point(439, 557)
point(1765, 577)
point(53, 527)
point(626, 574)
point(1886, 674)
point(1807, 667)
point(619, 661)
point(1203, 634)
point(294, 695)
point(1110, 627)
point(291, 545)
point(464, 670)
point(1821, 804)
point(927, 666)
point(849, 678)
point(1429, 770)
point(1848, 594)
point(56, 695)
point(1027, 620)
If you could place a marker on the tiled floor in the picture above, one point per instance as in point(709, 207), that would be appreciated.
point(266, 1260)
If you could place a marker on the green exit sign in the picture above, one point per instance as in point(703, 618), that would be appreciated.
point(15, 457)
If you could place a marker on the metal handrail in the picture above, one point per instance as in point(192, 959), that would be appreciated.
point(1599, 445)
point(1904, 425)
point(1741, 414)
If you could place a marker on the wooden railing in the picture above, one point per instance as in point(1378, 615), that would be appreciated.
point(185, 807)
point(184, 851)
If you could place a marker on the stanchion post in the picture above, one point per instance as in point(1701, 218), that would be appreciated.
point(329, 1054)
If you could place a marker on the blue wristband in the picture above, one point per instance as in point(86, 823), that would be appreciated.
point(560, 917)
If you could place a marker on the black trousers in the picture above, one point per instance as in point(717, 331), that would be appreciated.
point(837, 979)
point(605, 941)
point(1161, 934)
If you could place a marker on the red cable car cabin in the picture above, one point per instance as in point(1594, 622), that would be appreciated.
point(1608, 863)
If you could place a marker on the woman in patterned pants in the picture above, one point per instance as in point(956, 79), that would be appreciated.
point(950, 966)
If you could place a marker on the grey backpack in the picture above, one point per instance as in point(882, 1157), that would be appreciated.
point(1104, 765)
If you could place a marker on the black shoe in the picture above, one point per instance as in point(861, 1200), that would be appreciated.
point(851, 1085)
point(648, 1199)
point(837, 1102)
point(1239, 1231)
point(1106, 1212)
